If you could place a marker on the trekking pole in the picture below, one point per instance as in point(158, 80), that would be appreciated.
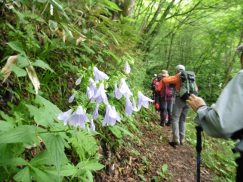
point(198, 149)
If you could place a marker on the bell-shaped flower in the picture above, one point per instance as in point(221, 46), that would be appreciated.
point(111, 116)
point(129, 106)
point(117, 92)
point(78, 118)
point(127, 68)
point(99, 75)
point(64, 116)
point(100, 95)
point(143, 101)
point(78, 81)
point(91, 89)
point(124, 89)
point(71, 98)
point(96, 112)
point(92, 125)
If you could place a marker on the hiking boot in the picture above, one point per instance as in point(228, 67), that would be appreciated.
point(173, 144)
point(182, 141)
point(168, 123)
point(162, 124)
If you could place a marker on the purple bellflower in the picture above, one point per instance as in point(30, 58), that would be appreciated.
point(117, 92)
point(65, 116)
point(78, 81)
point(127, 68)
point(143, 100)
point(129, 106)
point(96, 112)
point(111, 116)
point(78, 118)
point(124, 89)
point(91, 89)
point(71, 98)
point(99, 75)
point(100, 95)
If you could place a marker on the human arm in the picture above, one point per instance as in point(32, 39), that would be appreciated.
point(207, 117)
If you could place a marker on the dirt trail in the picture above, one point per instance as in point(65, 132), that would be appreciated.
point(143, 161)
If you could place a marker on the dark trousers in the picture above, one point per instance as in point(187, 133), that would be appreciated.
point(239, 169)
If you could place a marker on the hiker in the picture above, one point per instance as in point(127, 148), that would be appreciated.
point(166, 100)
point(155, 94)
point(225, 118)
point(180, 107)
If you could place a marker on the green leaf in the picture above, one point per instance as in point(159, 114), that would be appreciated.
point(5, 126)
point(55, 147)
point(41, 175)
point(91, 165)
point(16, 46)
point(14, 162)
point(116, 131)
point(66, 170)
point(42, 64)
point(23, 175)
point(18, 71)
point(85, 144)
point(23, 61)
point(20, 134)
point(46, 113)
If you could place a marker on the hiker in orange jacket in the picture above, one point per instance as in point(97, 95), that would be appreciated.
point(179, 111)
point(166, 100)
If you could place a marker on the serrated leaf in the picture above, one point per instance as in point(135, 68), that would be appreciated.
point(23, 175)
point(55, 147)
point(16, 46)
point(22, 61)
point(91, 165)
point(42, 64)
point(18, 71)
point(41, 175)
point(20, 134)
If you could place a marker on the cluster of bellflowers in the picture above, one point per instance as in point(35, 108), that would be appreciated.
point(96, 93)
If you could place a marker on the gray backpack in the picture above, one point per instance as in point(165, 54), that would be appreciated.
point(188, 84)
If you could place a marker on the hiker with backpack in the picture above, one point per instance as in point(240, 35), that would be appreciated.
point(166, 99)
point(155, 94)
point(185, 84)
point(225, 118)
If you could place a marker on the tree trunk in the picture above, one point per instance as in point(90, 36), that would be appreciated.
point(151, 23)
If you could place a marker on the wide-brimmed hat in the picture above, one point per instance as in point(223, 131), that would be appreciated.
point(164, 73)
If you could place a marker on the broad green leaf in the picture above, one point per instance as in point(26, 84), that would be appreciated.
point(40, 115)
point(91, 165)
point(55, 147)
point(41, 175)
point(18, 71)
point(46, 113)
point(23, 175)
point(41, 159)
point(21, 134)
point(5, 126)
point(13, 162)
point(66, 170)
point(42, 64)
point(16, 46)
point(23, 61)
